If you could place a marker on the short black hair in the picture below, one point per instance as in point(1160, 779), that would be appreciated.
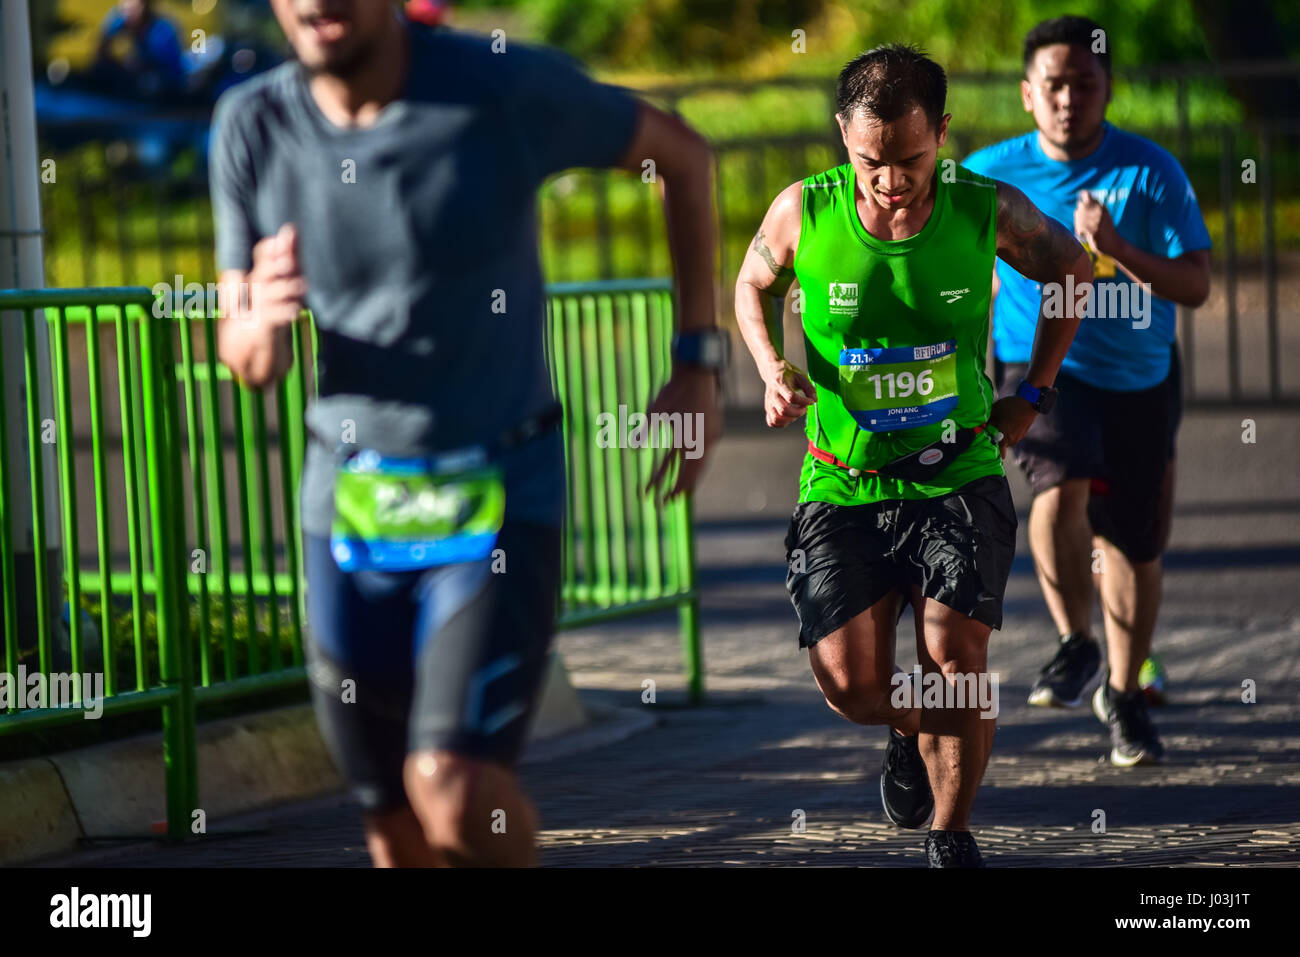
point(1076, 31)
point(889, 80)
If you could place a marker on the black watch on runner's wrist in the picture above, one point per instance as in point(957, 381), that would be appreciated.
point(706, 348)
point(1041, 399)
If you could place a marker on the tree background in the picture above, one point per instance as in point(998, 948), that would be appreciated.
point(752, 37)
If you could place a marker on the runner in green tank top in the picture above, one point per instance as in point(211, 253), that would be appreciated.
point(930, 292)
point(902, 496)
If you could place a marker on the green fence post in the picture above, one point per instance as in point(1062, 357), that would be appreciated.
point(128, 368)
point(67, 481)
point(180, 767)
point(688, 612)
point(264, 540)
point(198, 500)
point(8, 580)
point(289, 422)
point(37, 466)
point(188, 800)
point(216, 479)
point(239, 421)
point(102, 511)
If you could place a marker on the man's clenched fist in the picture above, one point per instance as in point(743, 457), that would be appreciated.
point(259, 306)
point(277, 289)
point(787, 393)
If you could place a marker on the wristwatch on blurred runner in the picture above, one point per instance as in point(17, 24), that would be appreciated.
point(705, 348)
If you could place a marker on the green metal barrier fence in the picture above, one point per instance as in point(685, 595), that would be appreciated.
point(609, 347)
point(151, 480)
point(195, 573)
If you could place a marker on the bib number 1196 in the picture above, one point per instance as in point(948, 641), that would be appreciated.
point(902, 384)
point(899, 387)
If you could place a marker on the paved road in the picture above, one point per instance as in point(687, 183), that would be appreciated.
point(721, 784)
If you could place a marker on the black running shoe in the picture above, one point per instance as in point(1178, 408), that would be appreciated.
point(952, 849)
point(1068, 676)
point(904, 784)
point(1133, 737)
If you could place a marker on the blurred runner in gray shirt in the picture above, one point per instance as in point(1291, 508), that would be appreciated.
point(387, 180)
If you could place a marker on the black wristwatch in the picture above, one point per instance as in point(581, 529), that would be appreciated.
point(1041, 399)
point(706, 348)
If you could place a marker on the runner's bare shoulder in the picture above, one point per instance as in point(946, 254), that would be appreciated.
point(770, 260)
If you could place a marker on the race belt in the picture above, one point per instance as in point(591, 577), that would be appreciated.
point(920, 465)
point(402, 513)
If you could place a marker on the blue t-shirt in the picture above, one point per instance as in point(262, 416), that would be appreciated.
point(1152, 205)
point(160, 49)
point(417, 236)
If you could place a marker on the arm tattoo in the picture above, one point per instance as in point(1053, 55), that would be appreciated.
point(1034, 244)
point(783, 275)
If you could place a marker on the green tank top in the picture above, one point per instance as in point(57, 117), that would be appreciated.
point(895, 334)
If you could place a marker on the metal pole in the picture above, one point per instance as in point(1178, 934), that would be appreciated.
point(22, 267)
point(1228, 172)
point(1270, 262)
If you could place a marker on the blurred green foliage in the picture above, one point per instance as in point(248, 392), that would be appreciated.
point(105, 231)
point(753, 37)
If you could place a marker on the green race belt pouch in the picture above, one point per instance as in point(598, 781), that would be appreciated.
point(401, 513)
point(900, 387)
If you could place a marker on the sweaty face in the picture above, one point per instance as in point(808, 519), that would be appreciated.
point(1067, 91)
point(332, 36)
point(894, 161)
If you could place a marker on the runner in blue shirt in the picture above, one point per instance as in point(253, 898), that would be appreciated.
point(139, 49)
point(1101, 465)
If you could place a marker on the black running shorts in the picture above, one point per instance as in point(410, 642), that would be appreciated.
point(956, 548)
point(1122, 441)
point(450, 658)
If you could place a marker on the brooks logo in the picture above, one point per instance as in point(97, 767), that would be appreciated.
point(955, 294)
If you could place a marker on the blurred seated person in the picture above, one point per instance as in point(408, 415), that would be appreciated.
point(139, 52)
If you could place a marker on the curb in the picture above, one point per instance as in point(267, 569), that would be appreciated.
point(38, 812)
point(246, 763)
point(118, 789)
point(608, 725)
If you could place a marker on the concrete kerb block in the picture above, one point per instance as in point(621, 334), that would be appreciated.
point(559, 711)
point(118, 787)
point(36, 814)
point(264, 758)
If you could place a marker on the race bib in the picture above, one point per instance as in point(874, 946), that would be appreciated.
point(901, 387)
point(400, 514)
